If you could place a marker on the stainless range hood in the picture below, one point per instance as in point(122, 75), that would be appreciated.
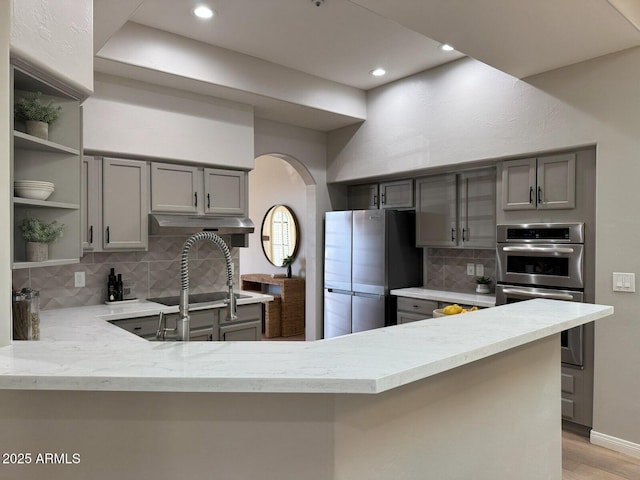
point(237, 228)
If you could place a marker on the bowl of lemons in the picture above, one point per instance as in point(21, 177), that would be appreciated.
point(454, 309)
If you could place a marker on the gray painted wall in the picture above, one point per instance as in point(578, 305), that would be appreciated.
point(467, 111)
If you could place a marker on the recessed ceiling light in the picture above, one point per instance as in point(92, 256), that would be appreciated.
point(378, 72)
point(203, 11)
point(446, 47)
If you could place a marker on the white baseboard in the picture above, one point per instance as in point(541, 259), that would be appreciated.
point(616, 444)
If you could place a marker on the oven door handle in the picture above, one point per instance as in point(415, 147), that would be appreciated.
point(538, 249)
point(553, 296)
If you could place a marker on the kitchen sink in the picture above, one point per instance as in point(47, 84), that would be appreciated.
point(197, 299)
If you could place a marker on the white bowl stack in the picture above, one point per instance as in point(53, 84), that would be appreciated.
point(33, 189)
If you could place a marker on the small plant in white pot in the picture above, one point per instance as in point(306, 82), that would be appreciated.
point(37, 115)
point(38, 236)
point(482, 284)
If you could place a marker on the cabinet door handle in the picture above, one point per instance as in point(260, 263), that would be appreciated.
point(208, 201)
point(530, 194)
point(383, 200)
point(539, 194)
point(91, 234)
point(196, 202)
point(375, 200)
point(453, 236)
point(107, 234)
point(464, 232)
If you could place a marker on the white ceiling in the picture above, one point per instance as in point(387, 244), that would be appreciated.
point(342, 40)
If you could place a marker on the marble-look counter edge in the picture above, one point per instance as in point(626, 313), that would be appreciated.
point(366, 362)
point(477, 299)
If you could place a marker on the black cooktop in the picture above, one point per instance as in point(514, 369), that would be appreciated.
point(196, 298)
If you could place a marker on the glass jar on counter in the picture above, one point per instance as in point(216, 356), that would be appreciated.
point(26, 314)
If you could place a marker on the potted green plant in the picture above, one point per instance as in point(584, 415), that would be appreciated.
point(286, 262)
point(38, 236)
point(37, 115)
point(482, 284)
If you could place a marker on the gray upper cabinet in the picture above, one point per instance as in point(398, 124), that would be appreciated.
point(363, 197)
point(124, 204)
point(393, 194)
point(477, 193)
point(436, 211)
point(188, 189)
point(91, 188)
point(539, 183)
point(397, 194)
point(175, 188)
point(457, 210)
point(225, 192)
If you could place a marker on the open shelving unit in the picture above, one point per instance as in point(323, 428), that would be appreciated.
point(55, 160)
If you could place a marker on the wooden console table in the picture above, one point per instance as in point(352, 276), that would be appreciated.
point(292, 291)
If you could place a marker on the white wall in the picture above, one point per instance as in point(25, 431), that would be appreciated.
point(56, 37)
point(5, 175)
point(274, 181)
point(306, 150)
point(136, 119)
point(467, 111)
point(162, 52)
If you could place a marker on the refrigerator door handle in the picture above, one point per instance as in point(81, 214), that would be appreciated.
point(369, 295)
point(340, 292)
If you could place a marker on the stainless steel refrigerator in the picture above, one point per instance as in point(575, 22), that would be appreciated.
point(366, 254)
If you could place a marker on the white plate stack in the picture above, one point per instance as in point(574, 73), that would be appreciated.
point(33, 189)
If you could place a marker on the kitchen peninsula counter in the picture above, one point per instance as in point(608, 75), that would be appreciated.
point(466, 396)
point(81, 350)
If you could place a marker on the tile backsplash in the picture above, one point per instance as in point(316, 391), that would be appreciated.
point(156, 273)
point(446, 268)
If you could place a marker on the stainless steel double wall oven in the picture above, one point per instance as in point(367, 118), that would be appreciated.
point(544, 260)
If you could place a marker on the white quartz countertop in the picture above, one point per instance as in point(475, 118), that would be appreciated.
point(477, 299)
point(81, 350)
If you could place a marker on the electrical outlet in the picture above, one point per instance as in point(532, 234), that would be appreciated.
point(78, 279)
point(479, 270)
point(471, 269)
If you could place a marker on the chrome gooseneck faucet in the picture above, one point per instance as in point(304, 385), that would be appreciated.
point(181, 331)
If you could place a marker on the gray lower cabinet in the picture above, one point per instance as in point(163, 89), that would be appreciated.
point(576, 387)
point(413, 309)
point(206, 325)
point(245, 331)
point(247, 327)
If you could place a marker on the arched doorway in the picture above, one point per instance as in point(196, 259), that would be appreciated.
point(282, 179)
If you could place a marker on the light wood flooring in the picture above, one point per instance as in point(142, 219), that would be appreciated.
point(582, 460)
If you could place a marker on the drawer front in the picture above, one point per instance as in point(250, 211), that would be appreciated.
point(241, 332)
point(407, 317)
point(416, 305)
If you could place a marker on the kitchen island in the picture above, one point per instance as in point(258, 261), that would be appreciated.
point(469, 396)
